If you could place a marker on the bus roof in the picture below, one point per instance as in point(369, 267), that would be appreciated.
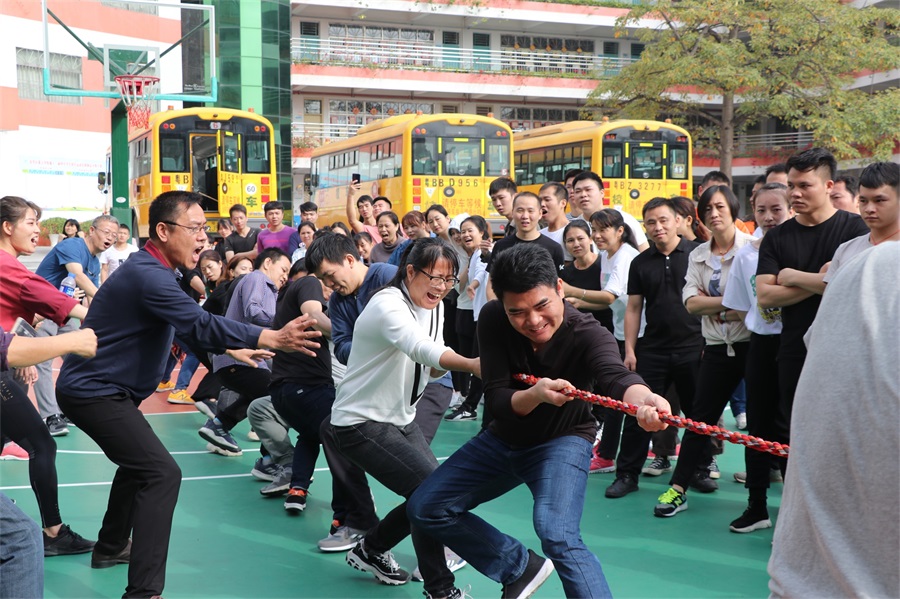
point(399, 124)
point(206, 113)
point(592, 127)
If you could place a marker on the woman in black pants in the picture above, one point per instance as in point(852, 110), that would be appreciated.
point(727, 340)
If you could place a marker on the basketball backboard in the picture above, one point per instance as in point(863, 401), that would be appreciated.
point(170, 40)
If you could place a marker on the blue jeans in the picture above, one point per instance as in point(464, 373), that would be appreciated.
point(188, 368)
point(485, 468)
point(739, 399)
point(21, 553)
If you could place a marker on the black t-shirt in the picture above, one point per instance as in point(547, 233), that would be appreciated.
point(217, 302)
point(660, 280)
point(542, 240)
point(581, 352)
point(792, 245)
point(589, 279)
point(294, 367)
point(185, 281)
point(237, 244)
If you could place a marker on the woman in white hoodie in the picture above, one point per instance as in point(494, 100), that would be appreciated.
point(397, 346)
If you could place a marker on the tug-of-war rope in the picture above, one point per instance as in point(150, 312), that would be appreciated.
point(701, 428)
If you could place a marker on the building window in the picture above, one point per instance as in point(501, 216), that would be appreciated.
point(132, 6)
point(65, 72)
point(519, 117)
point(361, 112)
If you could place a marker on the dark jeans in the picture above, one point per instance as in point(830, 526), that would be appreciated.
point(476, 387)
point(719, 375)
point(20, 422)
point(765, 410)
point(430, 409)
point(658, 371)
point(21, 551)
point(144, 490)
point(304, 408)
point(356, 508)
point(789, 369)
point(486, 468)
point(250, 383)
point(400, 459)
point(611, 421)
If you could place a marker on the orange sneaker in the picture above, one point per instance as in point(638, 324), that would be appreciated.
point(165, 386)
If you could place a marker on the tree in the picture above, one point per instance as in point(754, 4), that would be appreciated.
point(795, 60)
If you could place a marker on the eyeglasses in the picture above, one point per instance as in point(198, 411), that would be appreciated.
point(440, 281)
point(107, 234)
point(192, 230)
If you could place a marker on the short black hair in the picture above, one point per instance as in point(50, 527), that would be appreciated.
point(363, 199)
point(717, 176)
point(124, 226)
point(850, 182)
point(813, 159)
point(760, 179)
point(333, 248)
point(237, 208)
point(521, 268)
point(501, 183)
point(734, 205)
point(574, 172)
point(273, 253)
point(296, 268)
point(269, 206)
point(878, 174)
point(558, 189)
point(777, 168)
point(588, 176)
point(383, 199)
point(168, 205)
point(309, 207)
point(527, 194)
point(658, 202)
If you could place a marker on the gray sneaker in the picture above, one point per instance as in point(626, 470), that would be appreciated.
point(341, 538)
point(280, 485)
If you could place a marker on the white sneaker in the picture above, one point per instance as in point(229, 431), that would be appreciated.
point(740, 421)
point(454, 563)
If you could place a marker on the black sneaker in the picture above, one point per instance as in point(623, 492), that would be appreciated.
point(57, 425)
point(216, 434)
point(658, 466)
point(536, 572)
point(752, 519)
point(451, 593)
point(66, 542)
point(460, 414)
point(703, 483)
point(382, 565)
point(101, 560)
point(295, 501)
point(622, 486)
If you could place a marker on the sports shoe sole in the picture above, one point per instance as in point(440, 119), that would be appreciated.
point(680, 508)
point(228, 454)
point(279, 491)
point(204, 409)
point(260, 475)
point(337, 547)
point(654, 471)
point(181, 402)
point(460, 418)
point(210, 436)
point(758, 525)
point(60, 432)
point(362, 566)
point(606, 470)
point(536, 582)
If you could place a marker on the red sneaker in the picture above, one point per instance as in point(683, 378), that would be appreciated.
point(12, 451)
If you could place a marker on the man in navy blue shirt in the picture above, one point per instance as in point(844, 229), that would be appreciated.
point(135, 315)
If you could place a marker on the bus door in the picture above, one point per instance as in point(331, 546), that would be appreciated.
point(229, 176)
point(204, 170)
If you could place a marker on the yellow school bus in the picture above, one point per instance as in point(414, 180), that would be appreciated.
point(415, 160)
point(226, 155)
point(637, 160)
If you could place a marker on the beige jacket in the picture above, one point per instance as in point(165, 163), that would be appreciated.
point(699, 275)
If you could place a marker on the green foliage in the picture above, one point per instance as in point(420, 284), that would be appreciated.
point(794, 60)
point(52, 225)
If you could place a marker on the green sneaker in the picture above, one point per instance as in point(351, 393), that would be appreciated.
point(670, 503)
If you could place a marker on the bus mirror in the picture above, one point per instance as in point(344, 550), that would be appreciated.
point(101, 180)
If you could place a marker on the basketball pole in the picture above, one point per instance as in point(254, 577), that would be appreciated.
point(119, 166)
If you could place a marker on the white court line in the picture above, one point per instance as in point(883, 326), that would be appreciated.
point(85, 452)
point(184, 478)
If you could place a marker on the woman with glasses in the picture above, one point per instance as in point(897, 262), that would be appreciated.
point(397, 346)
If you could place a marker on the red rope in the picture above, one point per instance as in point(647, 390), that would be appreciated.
point(701, 428)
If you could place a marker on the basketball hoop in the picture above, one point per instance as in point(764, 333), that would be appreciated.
point(137, 91)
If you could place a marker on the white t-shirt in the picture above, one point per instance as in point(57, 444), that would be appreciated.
point(614, 280)
point(740, 293)
point(478, 272)
point(557, 236)
point(463, 302)
point(114, 258)
point(846, 251)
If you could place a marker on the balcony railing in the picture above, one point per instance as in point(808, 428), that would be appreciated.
point(313, 135)
point(797, 139)
point(407, 55)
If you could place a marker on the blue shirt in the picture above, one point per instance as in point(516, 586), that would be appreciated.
point(343, 310)
point(67, 251)
point(135, 315)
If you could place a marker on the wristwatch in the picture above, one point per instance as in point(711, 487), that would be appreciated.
point(723, 315)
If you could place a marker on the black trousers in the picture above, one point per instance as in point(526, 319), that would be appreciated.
point(765, 408)
point(356, 508)
point(611, 421)
point(144, 490)
point(659, 371)
point(250, 383)
point(719, 375)
point(20, 422)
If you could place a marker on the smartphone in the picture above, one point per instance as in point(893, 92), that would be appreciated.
point(22, 328)
point(355, 178)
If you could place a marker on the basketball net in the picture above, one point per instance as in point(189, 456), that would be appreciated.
point(137, 92)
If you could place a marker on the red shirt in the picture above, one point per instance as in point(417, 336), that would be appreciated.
point(24, 294)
